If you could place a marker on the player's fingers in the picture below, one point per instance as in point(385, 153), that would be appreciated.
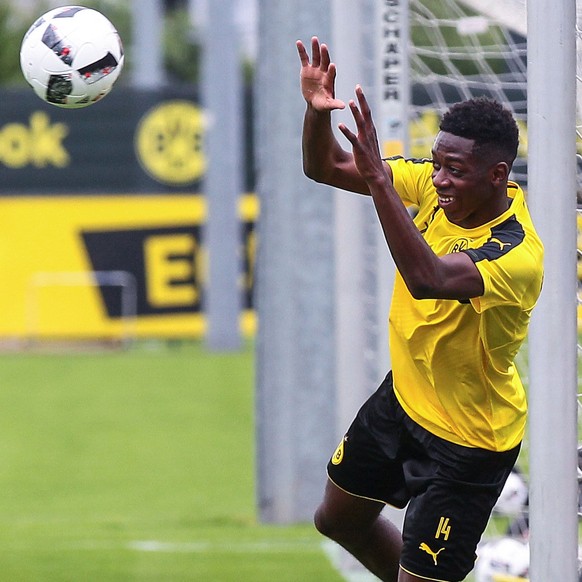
point(364, 123)
point(357, 115)
point(367, 123)
point(351, 137)
point(325, 58)
point(315, 52)
point(302, 53)
point(363, 102)
point(332, 71)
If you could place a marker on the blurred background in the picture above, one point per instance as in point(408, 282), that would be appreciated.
point(127, 436)
point(88, 182)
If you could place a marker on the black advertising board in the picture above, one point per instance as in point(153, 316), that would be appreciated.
point(129, 142)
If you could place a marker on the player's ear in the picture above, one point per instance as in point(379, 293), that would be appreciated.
point(499, 173)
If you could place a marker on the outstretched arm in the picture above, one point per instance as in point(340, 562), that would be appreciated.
point(426, 275)
point(324, 160)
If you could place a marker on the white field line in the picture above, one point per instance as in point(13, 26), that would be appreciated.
point(347, 567)
point(202, 547)
point(192, 547)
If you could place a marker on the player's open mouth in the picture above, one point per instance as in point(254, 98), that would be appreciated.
point(444, 200)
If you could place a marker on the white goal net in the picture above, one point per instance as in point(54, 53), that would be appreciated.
point(458, 53)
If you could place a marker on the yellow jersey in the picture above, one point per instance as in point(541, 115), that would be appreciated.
point(453, 361)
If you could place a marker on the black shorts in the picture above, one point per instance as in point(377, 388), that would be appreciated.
point(450, 489)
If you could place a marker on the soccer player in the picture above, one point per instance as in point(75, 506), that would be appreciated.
point(443, 430)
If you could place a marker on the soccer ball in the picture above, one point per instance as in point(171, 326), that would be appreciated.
point(71, 56)
point(514, 495)
point(505, 559)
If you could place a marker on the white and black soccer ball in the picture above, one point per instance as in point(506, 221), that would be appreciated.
point(71, 56)
point(514, 495)
point(502, 560)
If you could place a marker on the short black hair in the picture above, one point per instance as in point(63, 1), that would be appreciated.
point(488, 123)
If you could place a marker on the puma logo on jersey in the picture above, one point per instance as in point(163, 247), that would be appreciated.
point(501, 244)
point(434, 555)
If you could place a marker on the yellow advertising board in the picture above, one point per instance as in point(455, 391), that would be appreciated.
point(110, 266)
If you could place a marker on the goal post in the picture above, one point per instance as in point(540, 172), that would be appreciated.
point(295, 378)
point(553, 336)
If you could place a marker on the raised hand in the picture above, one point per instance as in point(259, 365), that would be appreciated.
point(318, 77)
point(365, 145)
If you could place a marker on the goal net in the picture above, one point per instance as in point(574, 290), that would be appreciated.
point(457, 53)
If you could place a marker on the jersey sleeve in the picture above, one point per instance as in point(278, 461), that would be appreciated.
point(511, 269)
point(411, 178)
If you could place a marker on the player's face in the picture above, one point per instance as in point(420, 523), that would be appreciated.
point(464, 184)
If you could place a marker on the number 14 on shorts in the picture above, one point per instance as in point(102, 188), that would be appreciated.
point(444, 529)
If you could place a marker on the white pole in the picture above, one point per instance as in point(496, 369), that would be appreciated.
point(393, 100)
point(148, 67)
point(353, 214)
point(370, 47)
point(295, 397)
point(553, 337)
point(223, 105)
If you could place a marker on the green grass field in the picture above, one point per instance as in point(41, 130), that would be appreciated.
point(138, 466)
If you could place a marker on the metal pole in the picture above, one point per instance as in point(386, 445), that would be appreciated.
point(147, 58)
point(295, 278)
point(393, 98)
point(370, 47)
point(223, 184)
point(553, 337)
point(353, 216)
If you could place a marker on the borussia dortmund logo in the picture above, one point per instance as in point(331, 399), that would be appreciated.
point(169, 143)
point(338, 456)
point(460, 244)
